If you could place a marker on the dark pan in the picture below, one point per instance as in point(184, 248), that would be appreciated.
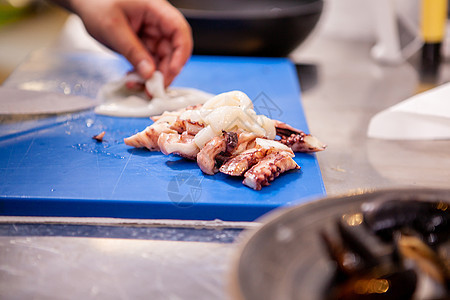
point(249, 27)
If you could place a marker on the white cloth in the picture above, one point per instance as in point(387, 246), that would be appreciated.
point(423, 116)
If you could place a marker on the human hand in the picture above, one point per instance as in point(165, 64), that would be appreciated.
point(150, 34)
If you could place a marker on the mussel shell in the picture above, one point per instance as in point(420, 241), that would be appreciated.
point(428, 219)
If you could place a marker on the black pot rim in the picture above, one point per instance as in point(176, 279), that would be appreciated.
point(300, 10)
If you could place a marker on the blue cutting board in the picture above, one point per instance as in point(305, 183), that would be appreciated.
point(52, 167)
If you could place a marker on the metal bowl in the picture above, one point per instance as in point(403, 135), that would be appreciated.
point(249, 27)
point(285, 259)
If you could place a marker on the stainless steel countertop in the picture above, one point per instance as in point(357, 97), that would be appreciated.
point(348, 90)
point(351, 88)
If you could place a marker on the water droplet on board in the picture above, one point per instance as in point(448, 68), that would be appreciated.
point(89, 123)
point(94, 149)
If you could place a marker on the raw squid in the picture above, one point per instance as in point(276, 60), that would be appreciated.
point(219, 146)
point(296, 139)
point(181, 144)
point(268, 168)
point(240, 163)
point(225, 134)
point(133, 97)
point(148, 138)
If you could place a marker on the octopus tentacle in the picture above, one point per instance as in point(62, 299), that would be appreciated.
point(188, 126)
point(284, 129)
point(240, 163)
point(216, 151)
point(148, 138)
point(303, 143)
point(206, 158)
point(297, 140)
point(267, 169)
point(181, 144)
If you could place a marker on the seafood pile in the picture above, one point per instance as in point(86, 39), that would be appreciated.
point(391, 249)
point(226, 135)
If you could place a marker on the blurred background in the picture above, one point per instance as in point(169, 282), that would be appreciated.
point(27, 25)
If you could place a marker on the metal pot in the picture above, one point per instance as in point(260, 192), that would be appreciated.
point(249, 27)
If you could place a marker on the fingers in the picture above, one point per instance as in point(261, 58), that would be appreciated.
point(180, 51)
point(120, 36)
point(149, 34)
point(164, 44)
point(164, 53)
point(169, 59)
point(175, 45)
point(145, 68)
point(182, 48)
point(129, 45)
